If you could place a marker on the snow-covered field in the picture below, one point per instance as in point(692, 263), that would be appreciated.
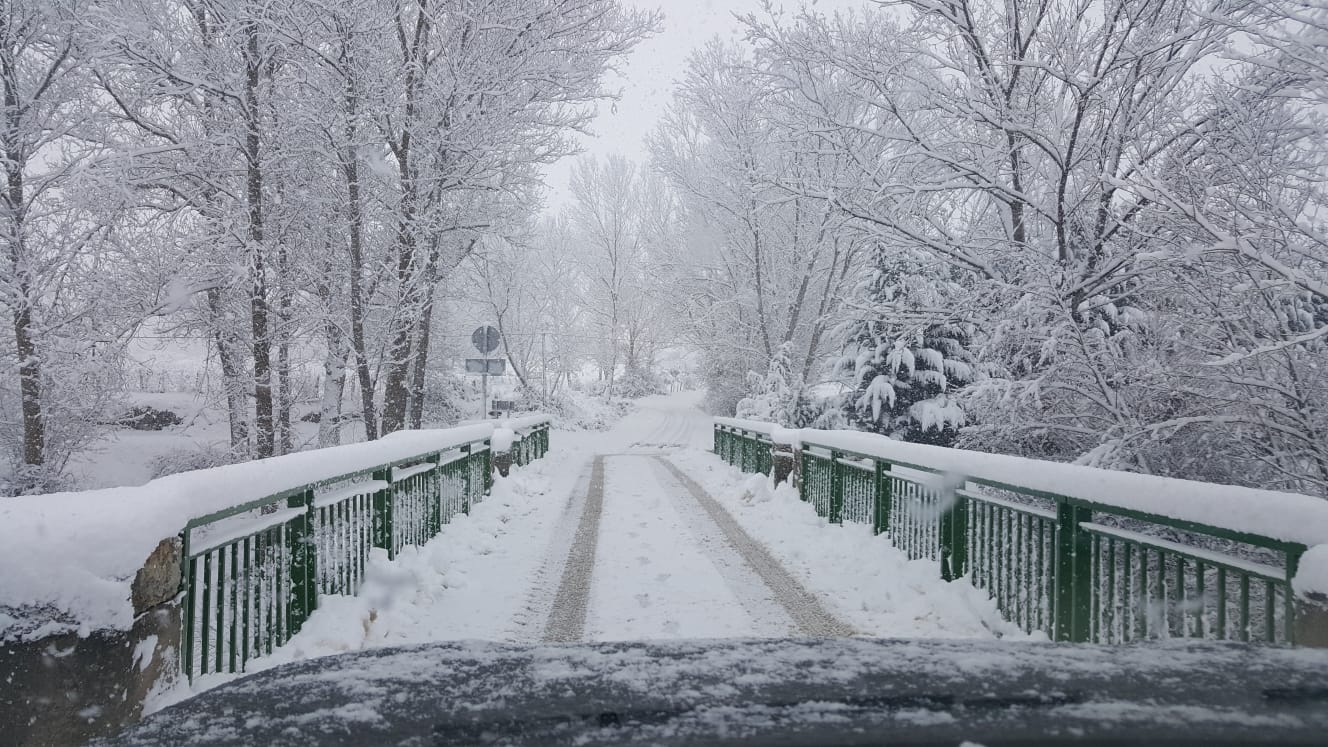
point(663, 567)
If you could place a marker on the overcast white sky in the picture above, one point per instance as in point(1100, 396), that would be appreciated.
point(650, 72)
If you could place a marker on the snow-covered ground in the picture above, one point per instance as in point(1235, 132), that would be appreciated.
point(859, 576)
point(472, 581)
point(662, 573)
point(665, 564)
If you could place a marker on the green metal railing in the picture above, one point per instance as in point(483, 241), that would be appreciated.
point(1075, 569)
point(254, 573)
point(532, 444)
point(749, 450)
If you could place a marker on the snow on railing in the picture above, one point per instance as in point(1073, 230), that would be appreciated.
point(746, 444)
point(527, 438)
point(261, 540)
point(250, 594)
point(1080, 553)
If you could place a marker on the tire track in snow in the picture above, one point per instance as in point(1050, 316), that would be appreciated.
point(801, 605)
point(767, 615)
point(663, 570)
point(531, 622)
point(567, 617)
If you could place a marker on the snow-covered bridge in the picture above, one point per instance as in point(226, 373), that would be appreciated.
point(668, 526)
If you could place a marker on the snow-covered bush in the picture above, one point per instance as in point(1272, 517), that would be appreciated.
point(448, 399)
point(148, 418)
point(725, 375)
point(638, 381)
point(777, 397)
point(202, 456)
point(580, 411)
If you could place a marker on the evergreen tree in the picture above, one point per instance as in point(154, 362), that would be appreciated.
point(905, 364)
point(773, 397)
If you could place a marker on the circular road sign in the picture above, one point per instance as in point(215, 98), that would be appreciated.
point(485, 339)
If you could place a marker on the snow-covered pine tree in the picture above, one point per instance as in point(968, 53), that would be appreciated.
point(906, 358)
point(771, 398)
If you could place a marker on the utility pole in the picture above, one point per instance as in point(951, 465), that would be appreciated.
point(485, 340)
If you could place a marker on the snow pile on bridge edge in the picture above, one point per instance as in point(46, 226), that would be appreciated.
point(1288, 517)
point(67, 559)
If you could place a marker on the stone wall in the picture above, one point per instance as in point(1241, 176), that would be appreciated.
point(1312, 621)
point(68, 689)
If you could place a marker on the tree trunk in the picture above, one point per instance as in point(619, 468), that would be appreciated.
point(29, 376)
point(285, 393)
point(258, 305)
point(334, 387)
point(29, 363)
point(395, 394)
point(232, 377)
point(350, 167)
point(421, 365)
point(285, 400)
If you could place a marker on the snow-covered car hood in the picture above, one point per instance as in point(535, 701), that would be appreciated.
point(766, 692)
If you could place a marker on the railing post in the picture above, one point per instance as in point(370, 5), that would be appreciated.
point(954, 537)
point(187, 577)
point(884, 498)
point(781, 461)
point(468, 471)
point(303, 598)
point(804, 478)
point(836, 487)
point(436, 504)
point(1072, 574)
point(488, 466)
point(382, 513)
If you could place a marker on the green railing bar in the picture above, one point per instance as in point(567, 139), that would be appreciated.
point(248, 599)
point(1195, 555)
point(883, 498)
point(190, 617)
point(836, 488)
point(235, 599)
point(273, 573)
point(1071, 593)
point(1093, 506)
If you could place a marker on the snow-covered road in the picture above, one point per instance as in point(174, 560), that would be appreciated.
point(638, 533)
point(664, 422)
point(666, 569)
point(665, 541)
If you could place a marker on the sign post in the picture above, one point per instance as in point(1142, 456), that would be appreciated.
point(485, 339)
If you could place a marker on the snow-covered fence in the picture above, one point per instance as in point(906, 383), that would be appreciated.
point(533, 438)
point(1081, 554)
point(237, 558)
point(745, 444)
point(255, 572)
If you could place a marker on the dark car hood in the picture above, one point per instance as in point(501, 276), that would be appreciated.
point(766, 692)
